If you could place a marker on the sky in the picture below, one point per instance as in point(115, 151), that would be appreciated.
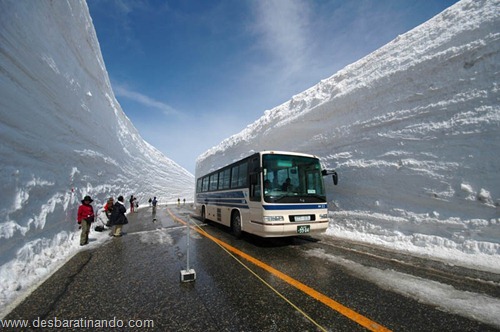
point(189, 74)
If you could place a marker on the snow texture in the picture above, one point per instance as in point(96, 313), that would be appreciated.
point(63, 136)
point(413, 130)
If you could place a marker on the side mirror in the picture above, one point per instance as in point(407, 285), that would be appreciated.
point(335, 176)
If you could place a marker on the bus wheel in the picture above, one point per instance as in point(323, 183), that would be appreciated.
point(236, 225)
point(203, 214)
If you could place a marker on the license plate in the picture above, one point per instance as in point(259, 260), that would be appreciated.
point(302, 218)
point(303, 229)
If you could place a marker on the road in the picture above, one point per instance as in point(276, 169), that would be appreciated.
point(249, 284)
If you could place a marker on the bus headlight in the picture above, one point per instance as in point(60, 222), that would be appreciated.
point(273, 218)
point(323, 216)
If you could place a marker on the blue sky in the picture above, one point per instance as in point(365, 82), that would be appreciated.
point(190, 73)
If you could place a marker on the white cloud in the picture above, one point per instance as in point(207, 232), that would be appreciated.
point(121, 91)
point(283, 26)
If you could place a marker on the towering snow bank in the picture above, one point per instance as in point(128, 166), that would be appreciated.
point(63, 136)
point(413, 130)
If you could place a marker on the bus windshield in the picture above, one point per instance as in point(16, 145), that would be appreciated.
point(292, 179)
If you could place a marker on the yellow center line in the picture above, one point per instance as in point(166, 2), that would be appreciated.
point(347, 312)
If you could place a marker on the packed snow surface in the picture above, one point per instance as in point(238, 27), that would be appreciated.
point(63, 136)
point(413, 130)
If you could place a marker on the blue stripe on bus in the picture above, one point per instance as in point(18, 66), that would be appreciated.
point(241, 206)
point(229, 199)
point(295, 207)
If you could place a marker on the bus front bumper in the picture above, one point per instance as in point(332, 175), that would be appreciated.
point(288, 229)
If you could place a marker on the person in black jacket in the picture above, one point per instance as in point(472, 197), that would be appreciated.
point(118, 217)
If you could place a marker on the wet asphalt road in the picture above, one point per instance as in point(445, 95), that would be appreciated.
point(135, 280)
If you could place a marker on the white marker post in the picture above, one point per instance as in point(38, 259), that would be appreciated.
point(188, 274)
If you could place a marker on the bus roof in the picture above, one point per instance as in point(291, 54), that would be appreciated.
point(288, 152)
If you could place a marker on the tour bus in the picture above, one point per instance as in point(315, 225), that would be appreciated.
point(269, 194)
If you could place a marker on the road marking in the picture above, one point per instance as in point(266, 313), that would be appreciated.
point(347, 312)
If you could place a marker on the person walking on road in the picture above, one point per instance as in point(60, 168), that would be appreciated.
point(154, 202)
point(108, 208)
point(118, 217)
point(85, 219)
point(132, 203)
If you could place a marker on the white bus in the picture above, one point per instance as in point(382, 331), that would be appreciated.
point(269, 194)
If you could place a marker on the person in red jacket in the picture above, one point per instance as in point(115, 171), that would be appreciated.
point(85, 219)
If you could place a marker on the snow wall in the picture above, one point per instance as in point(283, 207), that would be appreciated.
point(63, 136)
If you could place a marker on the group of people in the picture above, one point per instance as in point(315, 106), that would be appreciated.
point(153, 202)
point(115, 212)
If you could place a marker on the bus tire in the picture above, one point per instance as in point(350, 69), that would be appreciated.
point(236, 224)
point(203, 214)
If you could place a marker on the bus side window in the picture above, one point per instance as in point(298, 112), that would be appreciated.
point(204, 184)
point(234, 177)
point(243, 174)
point(224, 179)
point(255, 175)
point(214, 181)
point(198, 185)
